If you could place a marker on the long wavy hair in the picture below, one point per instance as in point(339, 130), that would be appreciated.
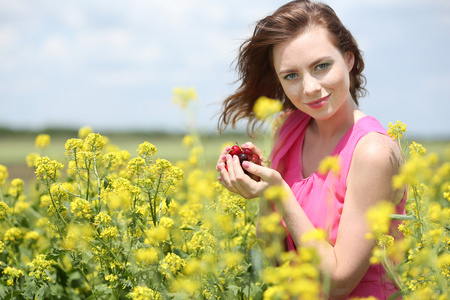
point(254, 63)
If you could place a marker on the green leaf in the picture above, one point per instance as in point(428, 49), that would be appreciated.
point(402, 217)
point(168, 200)
point(56, 253)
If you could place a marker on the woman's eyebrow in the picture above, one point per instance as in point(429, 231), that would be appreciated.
point(318, 61)
point(315, 62)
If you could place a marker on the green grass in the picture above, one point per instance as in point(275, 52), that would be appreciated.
point(15, 147)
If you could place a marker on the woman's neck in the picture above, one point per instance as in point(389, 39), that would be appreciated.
point(338, 124)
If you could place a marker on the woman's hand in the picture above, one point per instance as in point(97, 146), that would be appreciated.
point(235, 180)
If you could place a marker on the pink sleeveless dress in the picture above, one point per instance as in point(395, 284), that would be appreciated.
point(322, 197)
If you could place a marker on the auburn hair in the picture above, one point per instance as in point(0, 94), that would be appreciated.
point(254, 63)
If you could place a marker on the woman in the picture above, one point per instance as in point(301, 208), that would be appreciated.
point(304, 56)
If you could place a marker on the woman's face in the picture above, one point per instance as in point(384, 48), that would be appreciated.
point(314, 74)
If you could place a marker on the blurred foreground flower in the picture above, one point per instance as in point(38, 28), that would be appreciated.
point(265, 107)
point(182, 96)
point(42, 141)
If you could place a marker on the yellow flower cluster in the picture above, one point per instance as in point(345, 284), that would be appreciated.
point(12, 274)
point(40, 267)
point(144, 293)
point(3, 174)
point(183, 96)
point(42, 141)
point(47, 169)
point(397, 130)
point(171, 265)
point(330, 163)
point(265, 107)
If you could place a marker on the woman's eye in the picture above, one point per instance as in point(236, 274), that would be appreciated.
point(291, 76)
point(322, 66)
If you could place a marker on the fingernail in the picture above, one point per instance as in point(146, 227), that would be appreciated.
point(245, 164)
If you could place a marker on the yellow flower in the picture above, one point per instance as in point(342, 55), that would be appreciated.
point(109, 232)
point(265, 107)
point(182, 96)
point(31, 236)
point(172, 264)
point(385, 241)
point(16, 188)
point(40, 267)
point(166, 222)
point(379, 219)
point(3, 174)
point(78, 236)
point(188, 286)
point(447, 193)
point(73, 146)
point(135, 165)
point(397, 130)
point(330, 163)
point(202, 242)
point(417, 149)
point(144, 293)
point(31, 159)
point(271, 224)
point(81, 208)
point(102, 218)
point(146, 150)
point(189, 140)
point(94, 142)
point(46, 168)
point(42, 141)
point(276, 193)
point(12, 274)
point(314, 235)
point(147, 255)
point(13, 234)
point(84, 131)
point(155, 235)
point(4, 210)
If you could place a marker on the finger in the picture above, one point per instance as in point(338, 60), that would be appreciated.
point(247, 186)
point(224, 177)
point(266, 174)
point(252, 147)
point(222, 158)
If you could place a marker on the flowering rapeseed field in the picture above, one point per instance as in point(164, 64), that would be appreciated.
point(107, 224)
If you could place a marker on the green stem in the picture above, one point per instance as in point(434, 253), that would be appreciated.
point(88, 181)
point(151, 208)
point(156, 197)
point(56, 208)
point(394, 276)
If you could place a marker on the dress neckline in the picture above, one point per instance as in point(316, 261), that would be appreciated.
point(299, 160)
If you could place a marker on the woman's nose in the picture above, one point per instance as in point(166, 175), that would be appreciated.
point(310, 85)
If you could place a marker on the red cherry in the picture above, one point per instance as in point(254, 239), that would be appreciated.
point(235, 150)
point(247, 151)
point(242, 157)
point(255, 159)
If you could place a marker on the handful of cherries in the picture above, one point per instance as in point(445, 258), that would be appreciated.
point(245, 154)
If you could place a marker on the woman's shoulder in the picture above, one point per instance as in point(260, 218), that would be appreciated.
point(378, 150)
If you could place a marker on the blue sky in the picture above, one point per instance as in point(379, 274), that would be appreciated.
point(113, 64)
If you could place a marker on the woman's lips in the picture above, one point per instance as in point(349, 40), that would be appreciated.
point(318, 103)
